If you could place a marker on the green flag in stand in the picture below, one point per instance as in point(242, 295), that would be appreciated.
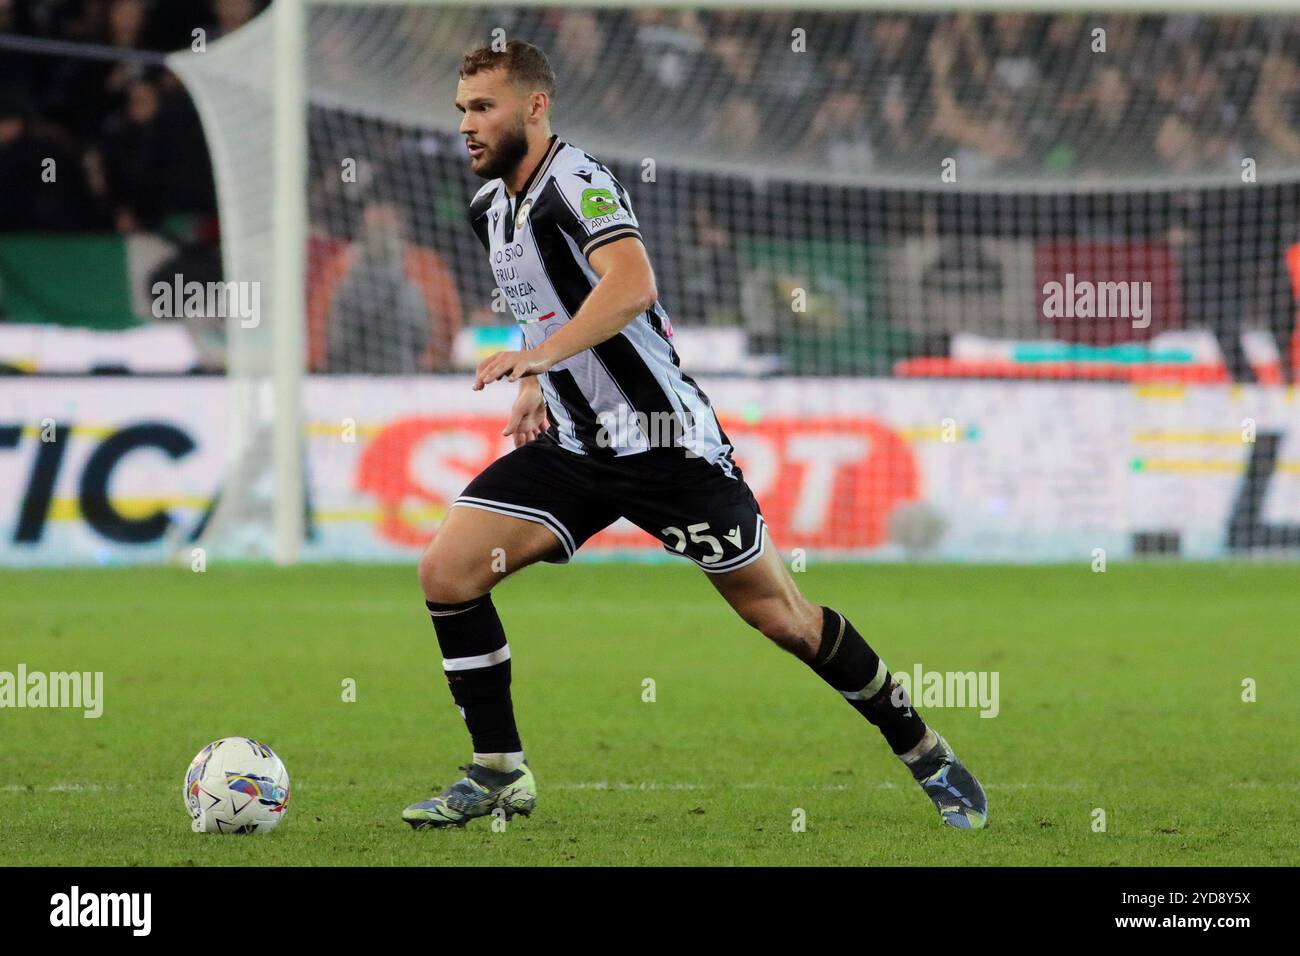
point(73, 280)
point(827, 299)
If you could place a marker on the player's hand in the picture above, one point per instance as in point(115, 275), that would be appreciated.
point(510, 365)
point(527, 416)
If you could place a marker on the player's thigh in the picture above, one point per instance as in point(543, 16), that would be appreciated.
point(474, 549)
point(766, 597)
point(706, 512)
point(702, 511)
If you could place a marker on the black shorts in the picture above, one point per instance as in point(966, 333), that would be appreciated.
point(701, 510)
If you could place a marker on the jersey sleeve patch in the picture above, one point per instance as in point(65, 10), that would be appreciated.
point(597, 202)
point(598, 207)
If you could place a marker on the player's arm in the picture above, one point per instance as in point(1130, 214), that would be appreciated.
point(625, 289)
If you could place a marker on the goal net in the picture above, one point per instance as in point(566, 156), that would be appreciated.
point(965, 285)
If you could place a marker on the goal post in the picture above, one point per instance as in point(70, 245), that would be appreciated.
point(250, 90)
point(289, 224)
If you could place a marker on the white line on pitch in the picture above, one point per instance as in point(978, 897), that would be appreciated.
point(645, 785)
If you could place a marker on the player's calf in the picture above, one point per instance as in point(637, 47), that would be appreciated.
point(476, 662)
point(793, 624)
point(846, 662)
point(472, 551)
point(766, 597)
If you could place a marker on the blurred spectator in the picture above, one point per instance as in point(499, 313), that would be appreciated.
point(977, 129)
point(840, 135)
point(1108, 128)
point(142, 183)
point(670, 44)
point(1276, 106)
point(44, 184)
point(382, 304)
point(135, 155)
point(737, 127)
point(710, 286)
point(581, 43)
point(230, 15)
point(1176, 145)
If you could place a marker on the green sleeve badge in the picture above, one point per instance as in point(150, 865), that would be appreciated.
point(597, 202)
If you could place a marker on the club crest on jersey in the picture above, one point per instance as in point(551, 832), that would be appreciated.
point(522, 214)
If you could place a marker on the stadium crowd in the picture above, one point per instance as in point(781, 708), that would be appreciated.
point(1004, 94)
point(1007, 94)
point(126, 141)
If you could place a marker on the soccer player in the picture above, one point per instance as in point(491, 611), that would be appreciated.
point(598, 378)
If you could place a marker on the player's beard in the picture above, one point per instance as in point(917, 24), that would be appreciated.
point(507, 154)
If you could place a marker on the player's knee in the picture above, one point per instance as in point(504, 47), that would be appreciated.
point(430, 574)
point(440, 580)
point(781, 620)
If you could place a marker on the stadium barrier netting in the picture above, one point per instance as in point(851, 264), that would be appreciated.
point(969, 286)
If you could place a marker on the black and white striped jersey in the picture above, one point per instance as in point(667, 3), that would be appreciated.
point(629, 392)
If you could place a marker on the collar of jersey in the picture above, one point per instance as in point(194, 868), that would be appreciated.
point(540, 168)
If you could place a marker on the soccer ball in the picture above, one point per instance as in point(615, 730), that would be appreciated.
point(236, 785)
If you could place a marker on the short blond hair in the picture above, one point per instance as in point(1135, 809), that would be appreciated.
point(524, 63)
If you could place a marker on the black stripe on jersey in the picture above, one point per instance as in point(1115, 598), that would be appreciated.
point(722, 435)
point(585, 426)
point(552, 423)
point(552, 218)
point(633, 376)
point(619, 356)
point(618, 187)
point(606, 236)
point(652, 316)
point(478, 211)
point(677, 363)
point(513, 202)
point(551, 152)
point(691, 382)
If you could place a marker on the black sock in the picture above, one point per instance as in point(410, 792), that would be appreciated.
point(848, 664)
point(476, 660)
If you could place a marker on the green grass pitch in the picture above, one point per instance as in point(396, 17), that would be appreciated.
point(1120, 691)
